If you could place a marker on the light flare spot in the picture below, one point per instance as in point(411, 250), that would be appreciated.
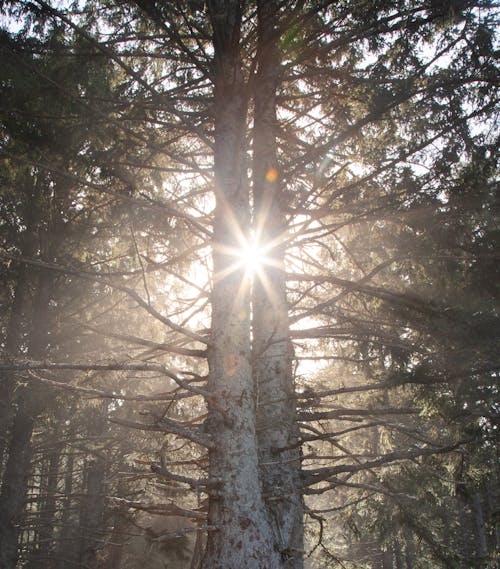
point(272, 175)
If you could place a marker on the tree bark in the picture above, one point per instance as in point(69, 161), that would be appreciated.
point(47, 514)
point(481, 539)
point(17, 470)
point(66, 548)
point(409, 548)
point(13, 341)
point(30, 400)
point(272, 348)
point(15, 480)
point(92, 513)
point(243, 535)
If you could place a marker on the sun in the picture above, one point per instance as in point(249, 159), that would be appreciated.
point(252, 257)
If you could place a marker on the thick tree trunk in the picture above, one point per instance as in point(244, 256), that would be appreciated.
point(243, 535)
point(272, 348)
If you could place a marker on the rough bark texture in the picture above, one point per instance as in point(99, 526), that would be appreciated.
point(243, 535)
point(272, 349)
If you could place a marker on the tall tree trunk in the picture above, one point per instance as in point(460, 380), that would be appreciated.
point(66, 549)
point(30, 404)
point(388, 557)
point(464, 528)
point(15, 481)
point(13, 341)
point(481, 539)
point(409, 548)
point(243, 536)
point(398, 554)
point(48, 507)
point(92, 504)
point(32, 399)
point(272, 348)
point(92, 513)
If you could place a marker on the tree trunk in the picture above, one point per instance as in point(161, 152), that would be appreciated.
point(92, 513)
point(13, 342)
point(409, 548)
point(243, 535)
point(14, 485)
point(398, 554)
point(481, 539)
point(66, 548)
point(31, 400)
point(388, 558)
point(272, 348)
point(47, 515)
point(92, 505)
point(464, 528)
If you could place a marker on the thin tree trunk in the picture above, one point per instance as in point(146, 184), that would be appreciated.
point(92, 513)
point(464, 528)
point(388, 558)
point(66, 549)
point(409, 548)
point(117, 541)
point(398, 554)
point(272, 348)
point(46, 526)
point(13, 343)
point(14, 485)
point(92, 505)
point(30, 402)
point(243, 535)
point(481, 539)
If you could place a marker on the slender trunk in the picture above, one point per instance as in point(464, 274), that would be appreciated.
point(48, 507)
point(388, 558)
point(66, 549)
point(272, 348)
point(13, 343)
point(481, 539)
point(117, 541)
point(243, 535)
point(30, 402)
point(92, 513)
point(409, 548)
point(398, 554)
point(15, 480)
point(92, 505)
point(464, 528)
point(491, 492)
